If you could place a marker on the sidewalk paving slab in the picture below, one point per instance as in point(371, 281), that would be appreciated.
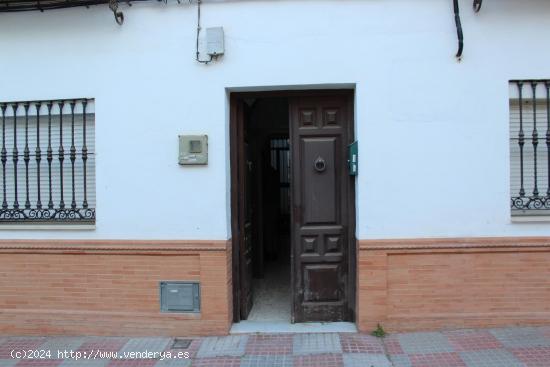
point(504, 347)
point(490, 358)
point(304, 344)
point(223, 346)
point(366, 360)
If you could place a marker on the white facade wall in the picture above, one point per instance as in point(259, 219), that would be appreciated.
point(433, 133)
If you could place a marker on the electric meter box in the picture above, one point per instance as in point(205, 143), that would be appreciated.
point(193, 150)
point(215, 41)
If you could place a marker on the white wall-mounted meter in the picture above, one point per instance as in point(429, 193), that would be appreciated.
point(193, 150)
point(215, 45)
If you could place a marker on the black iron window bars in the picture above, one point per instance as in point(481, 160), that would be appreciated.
point(48, 163)
point(530, 147)
point(42, 5)
point(280, 163)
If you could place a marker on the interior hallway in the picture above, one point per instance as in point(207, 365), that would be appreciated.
point(272, 296)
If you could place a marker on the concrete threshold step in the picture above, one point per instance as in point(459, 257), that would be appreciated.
point(248, 327)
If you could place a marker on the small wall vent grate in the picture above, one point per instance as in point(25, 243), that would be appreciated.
point(179, 296)
point(181, 343)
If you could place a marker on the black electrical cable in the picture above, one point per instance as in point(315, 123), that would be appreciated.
point(459, 33)
point(198, 34)
point(119, 16)
point(477, 5)
point(7, 6)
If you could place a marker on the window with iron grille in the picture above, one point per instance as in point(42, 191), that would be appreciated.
point(530, 147)
point(48, 161)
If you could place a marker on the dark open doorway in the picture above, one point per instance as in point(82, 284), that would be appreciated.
point(267, 136)
point(293, 214)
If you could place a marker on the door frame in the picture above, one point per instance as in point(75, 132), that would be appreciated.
point(236, 144)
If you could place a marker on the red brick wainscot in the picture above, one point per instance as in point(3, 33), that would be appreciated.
point(111, 287)
point(427, 284)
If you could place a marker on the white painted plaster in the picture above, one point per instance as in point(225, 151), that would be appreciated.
point(433, 133)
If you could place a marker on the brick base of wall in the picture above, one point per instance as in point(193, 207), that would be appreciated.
point(407, 285)
point(111, 287)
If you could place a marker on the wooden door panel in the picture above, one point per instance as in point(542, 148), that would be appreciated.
point(246, 272)
point(246, 245)
point(321, 283)
point(241, 212)
point(320, 223)
point(319, 187)
point(326, 242)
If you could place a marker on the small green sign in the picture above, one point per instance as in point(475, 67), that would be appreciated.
point(353, 158)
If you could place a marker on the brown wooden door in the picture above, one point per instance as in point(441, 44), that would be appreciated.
point(246, 243)
point(320, 130)
point(242, 212)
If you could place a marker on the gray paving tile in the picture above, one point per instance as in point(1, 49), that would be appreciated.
point(174, 362)
point(272, 360)
point(423, 343)
point(145, 345)
point(8, 362)
point(400, 360)
point(366, 360)
point(85, 363)
point(316, 344)
point(62, 344)
point(520, 337)
point(26, 339)
point(233, 345)
point(490, 358)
